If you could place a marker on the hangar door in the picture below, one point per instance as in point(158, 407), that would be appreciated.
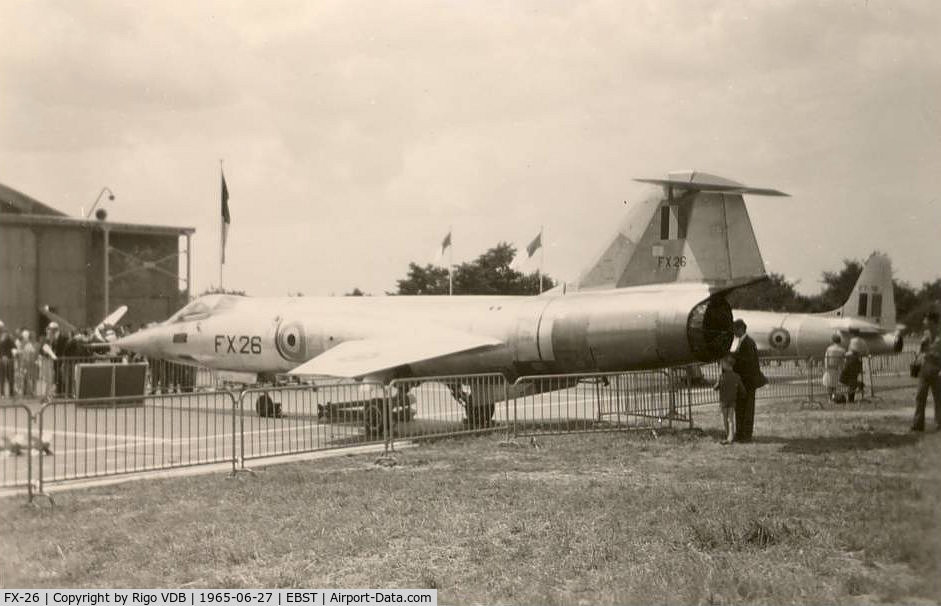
point(18, 303)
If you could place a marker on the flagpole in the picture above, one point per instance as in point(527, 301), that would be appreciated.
point(542, 256)
point(221, 234)
point(450, 260)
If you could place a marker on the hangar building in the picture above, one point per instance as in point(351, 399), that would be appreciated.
point(85, 268)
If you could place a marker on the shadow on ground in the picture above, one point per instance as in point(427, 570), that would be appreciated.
point(827, 444)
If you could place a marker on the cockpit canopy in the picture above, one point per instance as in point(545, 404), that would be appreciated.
point(202, 308)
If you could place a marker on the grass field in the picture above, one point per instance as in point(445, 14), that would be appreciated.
point(827, 506)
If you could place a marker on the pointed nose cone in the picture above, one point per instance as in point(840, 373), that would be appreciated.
point(147, 342)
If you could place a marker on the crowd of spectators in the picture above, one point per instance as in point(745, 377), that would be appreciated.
point(41, 365)
point(843, 369)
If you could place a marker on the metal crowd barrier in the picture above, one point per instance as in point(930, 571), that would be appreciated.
point(789, 378)
point(111, 436)
point(889, 371)
point(17, 449)
point(426, 407)
point(802, 378)
point(70, 439)
point(600, 401)
point(892, 365)
point(280, 420)
point(56, 378)
point(165, 376)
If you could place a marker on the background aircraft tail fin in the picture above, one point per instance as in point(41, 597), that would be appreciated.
point(873, 296)
point(696, 229)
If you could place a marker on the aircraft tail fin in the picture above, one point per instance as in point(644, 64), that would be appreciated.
point(873, 296)
point(696, 230)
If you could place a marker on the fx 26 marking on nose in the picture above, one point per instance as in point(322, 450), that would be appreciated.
point(238, 344)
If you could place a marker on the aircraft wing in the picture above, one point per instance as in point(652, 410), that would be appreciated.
point(863, 328)
point(361, 357)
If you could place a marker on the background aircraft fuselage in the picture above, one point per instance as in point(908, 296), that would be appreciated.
point(868, 313)
point(805, 335)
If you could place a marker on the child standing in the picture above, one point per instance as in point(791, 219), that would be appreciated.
point(730, 388)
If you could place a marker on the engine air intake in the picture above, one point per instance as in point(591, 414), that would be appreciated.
point(710, 329)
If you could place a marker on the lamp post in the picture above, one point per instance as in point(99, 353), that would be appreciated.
point(106, 245)
point(98, 199)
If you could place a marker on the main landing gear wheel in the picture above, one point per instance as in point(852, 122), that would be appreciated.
point(373, 422)
point(480, 416)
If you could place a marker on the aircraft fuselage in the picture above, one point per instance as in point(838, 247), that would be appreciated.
point(809, 335)
point(623, 329)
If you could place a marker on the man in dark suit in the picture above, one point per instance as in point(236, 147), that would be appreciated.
point(746, 366)
point(929, 376)
point(58, 344)
point(7, 351)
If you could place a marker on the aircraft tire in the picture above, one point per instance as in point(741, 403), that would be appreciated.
point(373, 422)
point(265, 406)
point(480, 416)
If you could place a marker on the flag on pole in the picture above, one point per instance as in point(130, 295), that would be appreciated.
point(535, 245)
point(446, 246)
point(226, 219)
point(446, 243)
point(442, 250)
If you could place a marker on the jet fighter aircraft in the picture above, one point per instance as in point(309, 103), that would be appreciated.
point(869, 314)
point(681, 249)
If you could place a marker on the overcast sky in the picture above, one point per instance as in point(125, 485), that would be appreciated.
point(355, 133)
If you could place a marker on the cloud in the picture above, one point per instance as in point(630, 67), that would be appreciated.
point(350, 127)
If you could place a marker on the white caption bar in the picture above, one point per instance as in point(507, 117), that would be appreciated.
point(216, 597)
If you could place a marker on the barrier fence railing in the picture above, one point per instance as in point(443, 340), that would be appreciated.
point(600, 401)
point(890, 371)
point(280, 420)
point(167, 376)
point(112, 436)
point(424, 407)
point(19, 444)
point(699, 379)
point(788, 377)
point(57, 378)
point(69, 439)
point(892, 365)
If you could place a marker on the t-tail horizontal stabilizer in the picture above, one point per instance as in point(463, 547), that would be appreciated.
point(704, 182)
point(696, 229)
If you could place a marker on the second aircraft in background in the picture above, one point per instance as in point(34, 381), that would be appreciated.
point(868, 313)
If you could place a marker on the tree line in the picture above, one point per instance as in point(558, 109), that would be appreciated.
point(489, 274)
